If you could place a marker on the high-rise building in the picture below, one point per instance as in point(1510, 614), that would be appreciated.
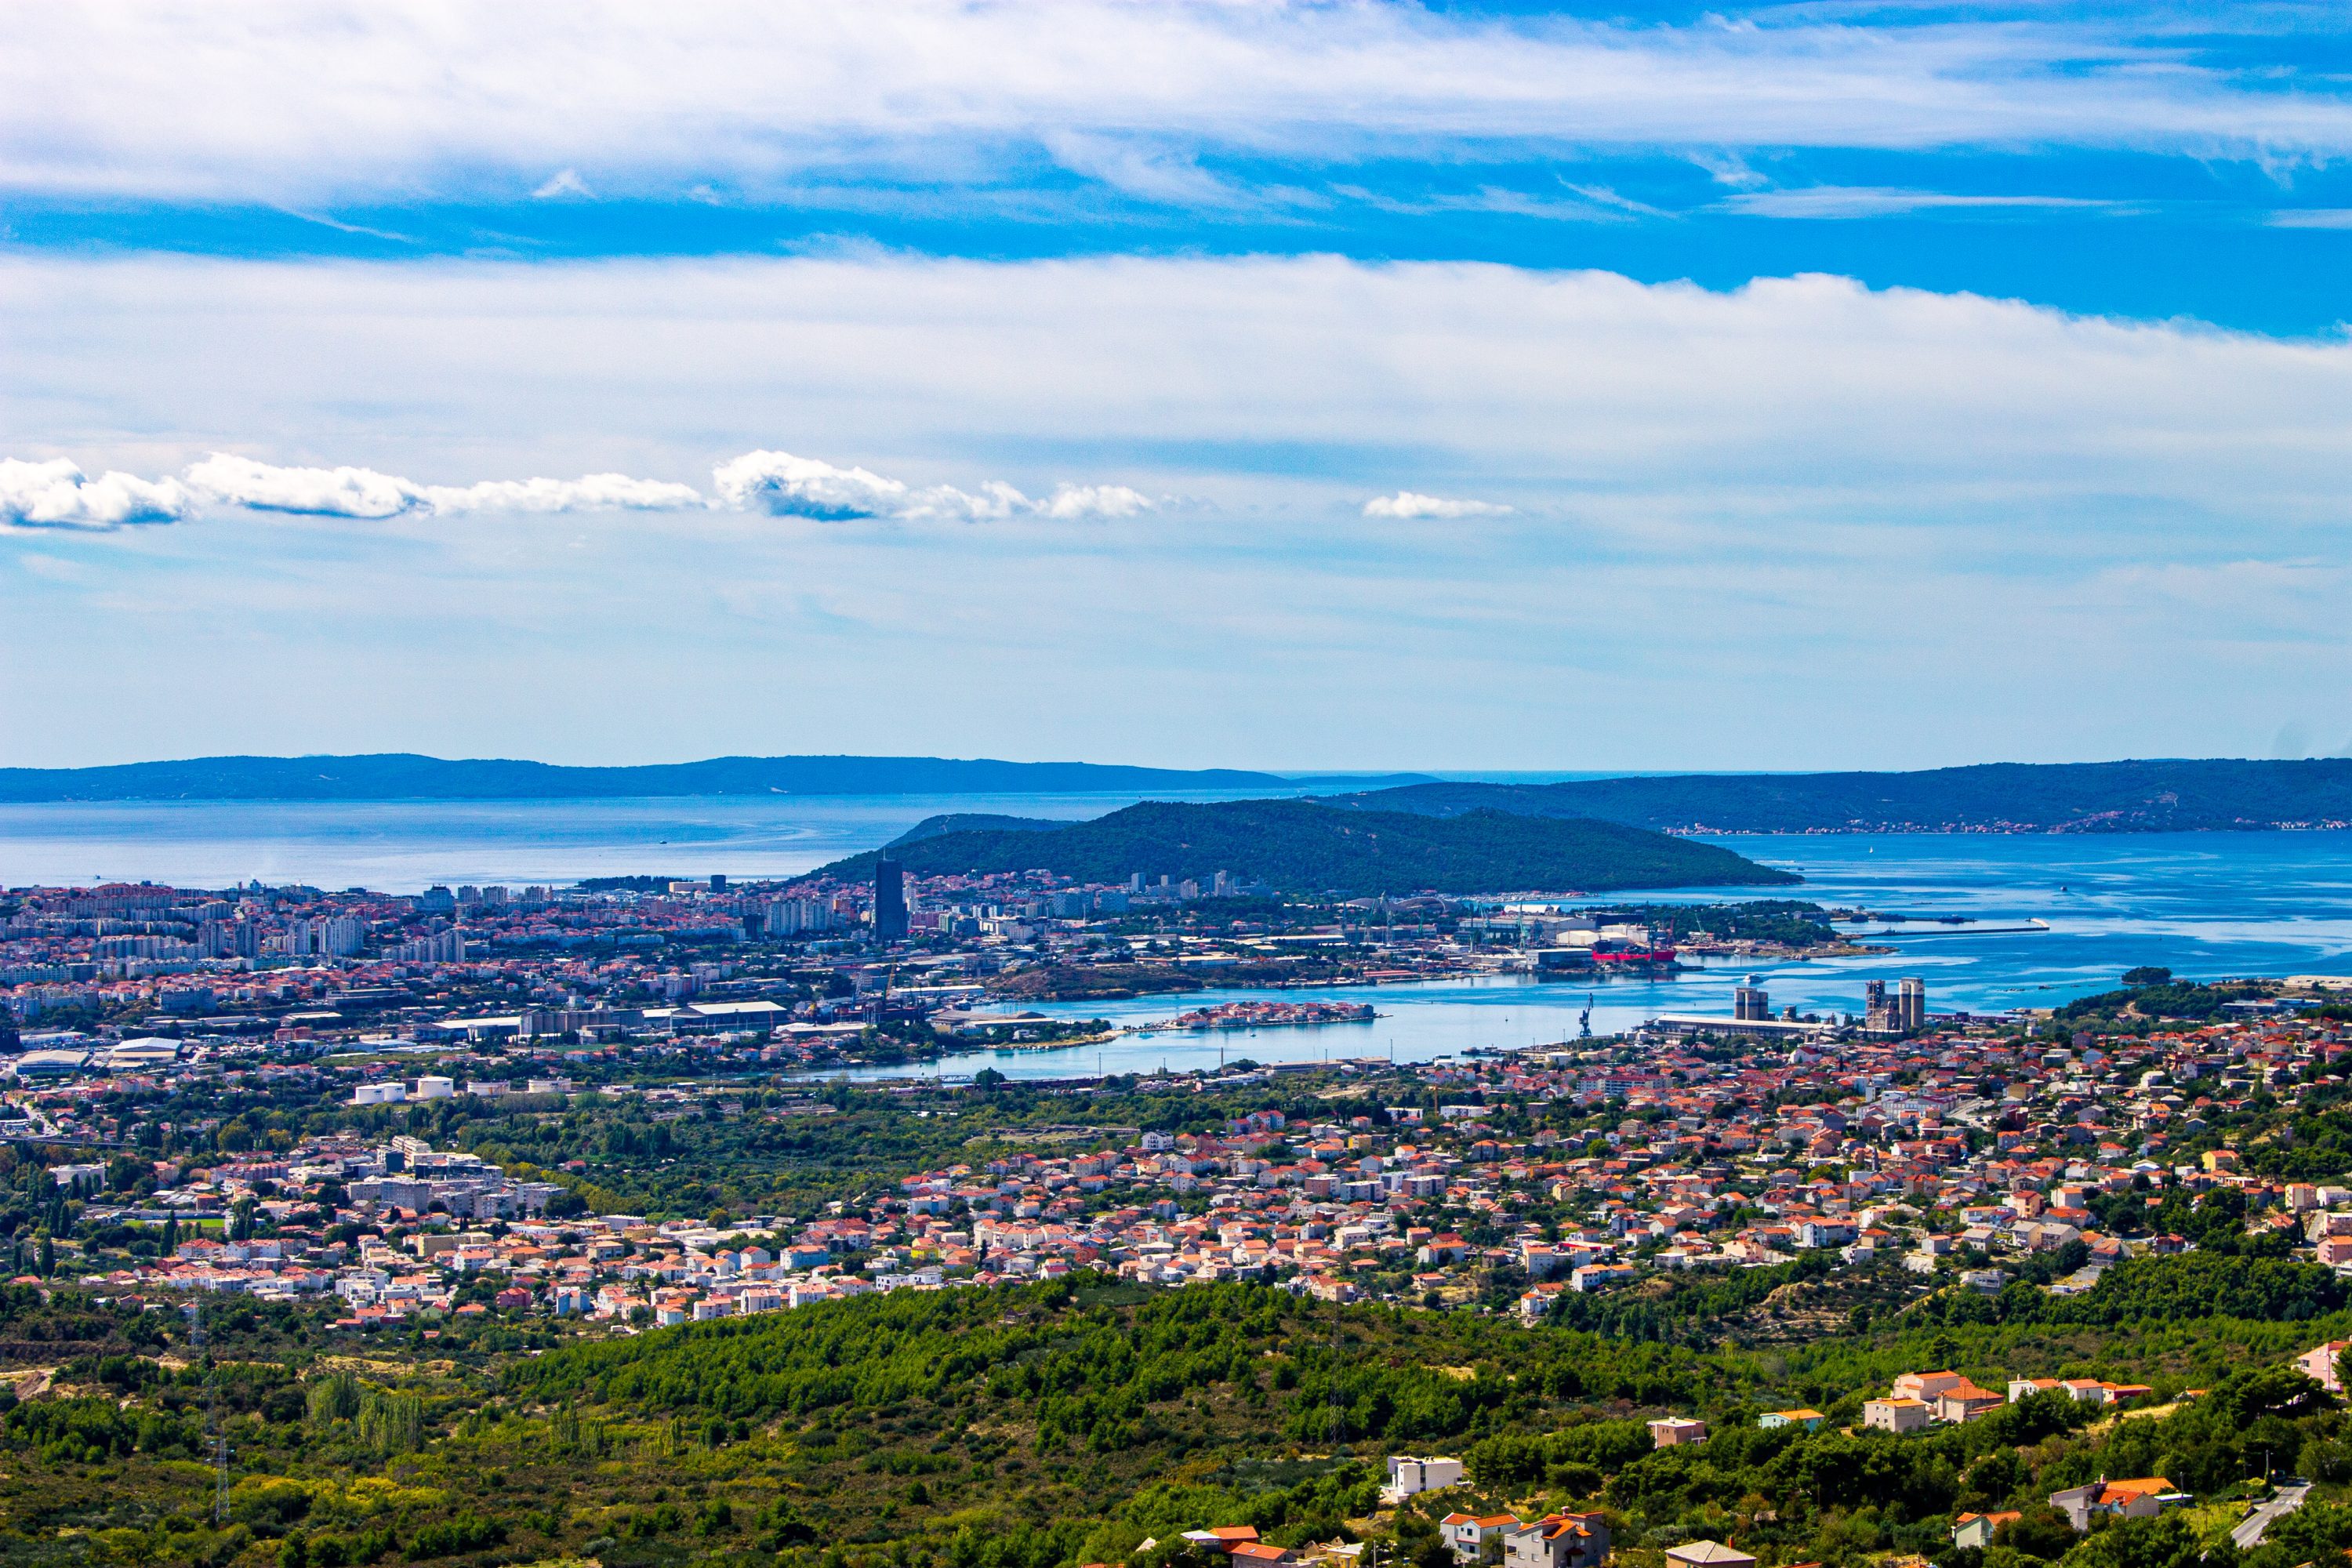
point(1912, 1003)
point(889, 899)
point(1750, 1002)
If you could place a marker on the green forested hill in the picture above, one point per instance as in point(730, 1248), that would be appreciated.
point(1066, 1423)
point(2165, 796)
point(976, 822)
point(1296, 846)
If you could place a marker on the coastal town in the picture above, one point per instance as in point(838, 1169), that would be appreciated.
point(792, 967)
point(1978, 1153)
point(423, 1148)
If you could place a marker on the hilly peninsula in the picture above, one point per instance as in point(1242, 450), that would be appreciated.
point(2159, 796)
point(1299, 847)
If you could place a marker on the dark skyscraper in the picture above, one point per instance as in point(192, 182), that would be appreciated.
point(889, 900)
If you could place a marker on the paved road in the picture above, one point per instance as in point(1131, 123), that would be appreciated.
point(2290, 1498)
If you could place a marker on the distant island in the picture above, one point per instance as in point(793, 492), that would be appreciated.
point(2163, 796)
point(399, 775)
point(1294, 845)
point(2150, 796)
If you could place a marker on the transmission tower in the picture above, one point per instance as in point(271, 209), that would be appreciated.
point(215, 1438)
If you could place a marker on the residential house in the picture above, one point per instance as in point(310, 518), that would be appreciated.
point(1708, 1554)
point(1895, 1414)
point(1468, 1533)
point(2319, 1364)
point(1809, 1420)
point(2142, 1498)
point(1601, 1276)
point(1964, 1402)
point(1674, 1430)
point(1557, 1541)
point(1222, 1537)
point(1258, 1554)
point(1976, 1530)
point(1924, 1386)
point(1409, 1476)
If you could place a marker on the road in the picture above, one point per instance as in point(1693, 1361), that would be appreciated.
point(2250, 1532)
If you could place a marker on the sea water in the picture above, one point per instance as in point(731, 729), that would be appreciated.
point(407, 845)
point(2205, 905)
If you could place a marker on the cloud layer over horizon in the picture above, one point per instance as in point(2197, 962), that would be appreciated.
point(1258, 386)
point(1356, 381)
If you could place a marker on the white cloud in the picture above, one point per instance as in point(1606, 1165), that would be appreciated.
point(595, 492)
point(789, 486)
point(804, 486)
point(57, 494)
point(229, 481)
point(301, 101)
point(1255, 385)
point(566, 183)
point(1878, 201)
point(328, 492)
point(1095, 501)
point(1948, 495)
point(1411, 504)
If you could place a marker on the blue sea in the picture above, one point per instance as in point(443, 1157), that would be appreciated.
point(2205, 905)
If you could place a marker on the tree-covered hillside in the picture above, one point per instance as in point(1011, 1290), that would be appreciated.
point(1296, 846)
point(2072, 797)
point(1070, 1422)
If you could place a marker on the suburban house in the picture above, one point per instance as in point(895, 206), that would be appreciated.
point(1924, 1386)
point(2142, 1498)
point(1468, 1533)
point(1947, 1396)
point(2319, 1364)
point(1222, 1537)
point(1557, 1541)
point(1601, 1276)
point(1978, 1529)
point(1964, 1402)
point(1409, 1476)
point(1673, 1429)
point(1895, 1414)
point(1809, 1420)
point(2091, 1391)
point(1708, 1554)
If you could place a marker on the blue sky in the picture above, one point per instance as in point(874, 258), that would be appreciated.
point(1292, 385)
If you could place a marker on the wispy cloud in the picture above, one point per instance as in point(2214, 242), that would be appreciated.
point(1879, 201)
point(1584, 203)
point(307, 100)
point(565, 182)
